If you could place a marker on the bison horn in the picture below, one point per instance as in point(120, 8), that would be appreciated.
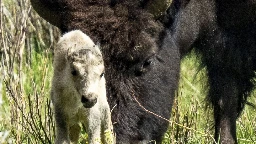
point(48, 10)
point(158, 7)
point(51, 11)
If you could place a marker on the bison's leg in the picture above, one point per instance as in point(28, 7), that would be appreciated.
point(230, 72)
point(225, 113)
point(224, 95)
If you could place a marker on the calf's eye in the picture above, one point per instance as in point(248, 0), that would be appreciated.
point(74, 72)
point(101, 75)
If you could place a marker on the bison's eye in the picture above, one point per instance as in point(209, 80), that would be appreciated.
point(147, 63)
point(144, 67)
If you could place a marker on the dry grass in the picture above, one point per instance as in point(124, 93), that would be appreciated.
point(26, 43)
point(193, 119)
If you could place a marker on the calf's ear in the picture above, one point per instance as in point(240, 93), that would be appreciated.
point(48, 10)
point(70, 55)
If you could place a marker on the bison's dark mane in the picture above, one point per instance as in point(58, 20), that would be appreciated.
point(128, 35)
point(222, 31)
point(124, 29)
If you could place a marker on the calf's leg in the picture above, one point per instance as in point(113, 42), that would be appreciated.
point(62, 135)
point(93, 127)
point(107, 127)
point(74, 132)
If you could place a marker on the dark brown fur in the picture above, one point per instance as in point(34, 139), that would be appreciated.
point(125, 29)
point(137, 57)
point(141, 56)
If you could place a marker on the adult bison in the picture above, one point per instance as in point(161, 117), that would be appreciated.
point(139, 64)
point(223, 32)
point(142, 51)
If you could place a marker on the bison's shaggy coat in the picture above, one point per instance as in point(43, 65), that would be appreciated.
point(224, 33)
point(78, 90)
point(142, 57)
point(138, 63)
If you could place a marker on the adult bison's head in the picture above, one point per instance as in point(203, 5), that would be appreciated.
point(52, 10)
point(141, 69)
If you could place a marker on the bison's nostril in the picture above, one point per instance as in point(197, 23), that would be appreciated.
point(84, 100)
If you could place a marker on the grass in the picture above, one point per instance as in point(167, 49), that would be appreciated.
point(26, 45)
point(26, 68)
point(195, 117)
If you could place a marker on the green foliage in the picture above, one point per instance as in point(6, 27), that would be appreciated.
point(192, 118)
point(26, 68)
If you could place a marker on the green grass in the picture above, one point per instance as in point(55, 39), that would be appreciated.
point(27, 101)
point(26, 70)
point(26, 43)
point(193, 118)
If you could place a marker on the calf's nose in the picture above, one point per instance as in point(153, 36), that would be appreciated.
point(84, 100)
point(88, 102)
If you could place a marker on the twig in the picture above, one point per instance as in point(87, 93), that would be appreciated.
point(188, 128)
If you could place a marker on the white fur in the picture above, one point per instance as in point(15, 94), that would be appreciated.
point(67, 91)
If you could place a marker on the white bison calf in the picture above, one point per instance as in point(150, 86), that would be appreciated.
point(78, 90)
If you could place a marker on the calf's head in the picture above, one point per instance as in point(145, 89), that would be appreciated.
point(86, 72)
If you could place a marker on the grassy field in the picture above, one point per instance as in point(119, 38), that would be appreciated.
point(195, 116)
point(26, 44)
